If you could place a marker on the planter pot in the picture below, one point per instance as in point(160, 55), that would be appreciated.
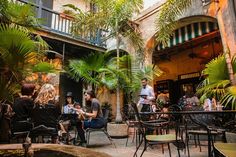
point(117, 130)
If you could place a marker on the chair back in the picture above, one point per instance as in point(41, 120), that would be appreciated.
point(105, 113)
point(45, 115)
point(140, 127)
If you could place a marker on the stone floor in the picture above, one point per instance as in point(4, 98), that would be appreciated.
point(100, 143)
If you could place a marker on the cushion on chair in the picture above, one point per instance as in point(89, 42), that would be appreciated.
point(161, 138)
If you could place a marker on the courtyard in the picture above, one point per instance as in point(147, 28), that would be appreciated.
point(79, 78)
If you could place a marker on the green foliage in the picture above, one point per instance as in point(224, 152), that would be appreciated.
point(19, 50)
point(217, 82)
point(98, 69)
point(166, 21)
point(230, 97)
point(107, 106)
point(114, 16)
point(44, 67)
point(8, 89)
point(20, 14)
point(217, 79)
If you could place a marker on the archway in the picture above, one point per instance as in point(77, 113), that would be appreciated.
point(193, 44)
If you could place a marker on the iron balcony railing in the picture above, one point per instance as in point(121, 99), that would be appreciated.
point(63, 24)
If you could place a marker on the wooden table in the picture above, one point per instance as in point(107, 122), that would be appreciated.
point(226, 149)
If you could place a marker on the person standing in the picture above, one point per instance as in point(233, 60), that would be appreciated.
point(146, 96)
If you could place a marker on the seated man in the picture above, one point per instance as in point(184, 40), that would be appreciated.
point(95, 116)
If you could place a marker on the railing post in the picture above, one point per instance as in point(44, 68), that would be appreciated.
point(40, 4)
point(99, 35)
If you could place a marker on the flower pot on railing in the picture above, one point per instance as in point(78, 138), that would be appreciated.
point(66, 16)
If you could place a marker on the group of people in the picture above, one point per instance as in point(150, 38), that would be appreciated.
point(26, 107)
point(91, 118)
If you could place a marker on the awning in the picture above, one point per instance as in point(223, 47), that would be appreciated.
point(189, 32)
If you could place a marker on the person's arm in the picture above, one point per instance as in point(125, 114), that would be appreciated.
point(93, 114)
point(95, 107)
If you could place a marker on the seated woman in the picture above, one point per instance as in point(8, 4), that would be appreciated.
point(46, 110)
point(69, 105)
point(95, 117)
point(23, 105)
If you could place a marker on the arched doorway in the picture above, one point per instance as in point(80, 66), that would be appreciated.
point(192, 45)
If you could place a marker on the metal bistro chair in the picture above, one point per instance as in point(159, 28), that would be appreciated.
point(103, 129)
point(153, 139)
point(20, 129)
point(45, 120)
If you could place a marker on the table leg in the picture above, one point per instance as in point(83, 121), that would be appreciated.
point(209, 143)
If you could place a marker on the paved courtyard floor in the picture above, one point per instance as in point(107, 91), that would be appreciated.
point(100, 143)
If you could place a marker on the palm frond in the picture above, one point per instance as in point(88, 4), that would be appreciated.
point(216, 70)
point(166, 20)
point(43, 67)
point(229, 98)
point(20, 14)
point(8, 89)
point(17, 49)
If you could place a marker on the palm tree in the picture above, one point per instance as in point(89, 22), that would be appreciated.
point(113, 16)
point(18, 51)
point(217, 82)
point(166, 24)
point(99, 70)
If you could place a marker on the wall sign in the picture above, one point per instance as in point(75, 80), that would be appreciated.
point(189, 75)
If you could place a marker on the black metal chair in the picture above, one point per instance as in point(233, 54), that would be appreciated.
point(103, 129)
point(45, 120)
point(153, 139)
point(20, 129)
point(131, 122)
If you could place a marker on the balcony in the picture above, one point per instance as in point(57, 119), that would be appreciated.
point(62, 24)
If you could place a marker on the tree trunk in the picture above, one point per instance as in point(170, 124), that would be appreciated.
point(222, 28)
point(118, 113)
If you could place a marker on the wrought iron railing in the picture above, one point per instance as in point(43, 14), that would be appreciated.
point(63, 24)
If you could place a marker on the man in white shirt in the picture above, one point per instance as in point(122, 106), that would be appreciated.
point(146, 96)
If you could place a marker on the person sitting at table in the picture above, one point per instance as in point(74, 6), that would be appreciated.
point(69, 108)
point(46, 110)
point(24, 104)
point(69, 105)
point(94, 116)
point(209, 104)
